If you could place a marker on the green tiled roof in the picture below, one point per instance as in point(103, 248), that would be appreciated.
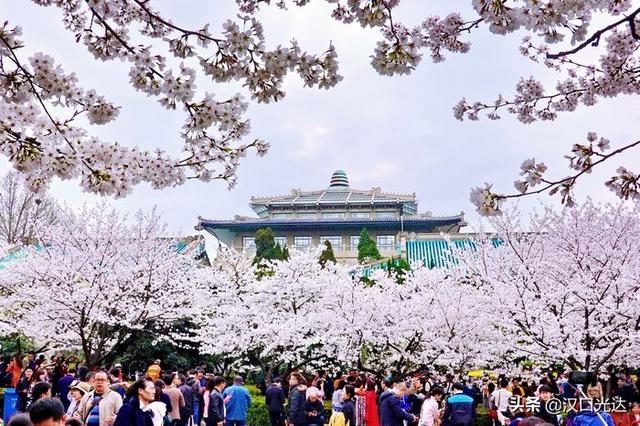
point(433, 253)
point(436, 253)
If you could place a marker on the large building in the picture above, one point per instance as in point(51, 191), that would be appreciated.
point(337, 214)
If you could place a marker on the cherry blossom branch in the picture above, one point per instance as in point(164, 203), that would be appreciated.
point(625, 183)
point(594, 40)
point(186, 32)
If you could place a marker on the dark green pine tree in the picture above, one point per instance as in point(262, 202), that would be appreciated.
point(285, 253)
point(266, 247)
point(397, 269)
point(367, 249)
point(327, 254)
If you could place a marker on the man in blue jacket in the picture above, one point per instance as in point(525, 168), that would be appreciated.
point(459, 408)
point(391, 412)
point(589, 416)
point(239, 403)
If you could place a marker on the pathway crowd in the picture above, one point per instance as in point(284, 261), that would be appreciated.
point(50, 394)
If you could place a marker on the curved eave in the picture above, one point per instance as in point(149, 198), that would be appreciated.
point(381, 224)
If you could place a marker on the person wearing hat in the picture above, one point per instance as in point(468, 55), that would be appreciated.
point(77, 390)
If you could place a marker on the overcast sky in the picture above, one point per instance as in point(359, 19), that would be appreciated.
point(397, 133)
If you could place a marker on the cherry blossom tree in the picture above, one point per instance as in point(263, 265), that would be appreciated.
point(21, 209)
point(567, 289)
point(166, 57)
point(276, 321)
point(400, 329)
point(305, 315)
point(94, 278)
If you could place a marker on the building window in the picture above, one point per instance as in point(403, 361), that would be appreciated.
point(282, 215)
point(333, 215)
point(385, 214)
point(354, 240)
point(360, 214)
point(336, 242)
point(306, 215)
point(248, 243)
point(302, 242)
point(385, 242)
point(281, 240)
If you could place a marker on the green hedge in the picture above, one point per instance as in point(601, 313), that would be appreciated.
point(258, 413)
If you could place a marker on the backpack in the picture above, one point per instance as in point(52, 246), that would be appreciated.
point(338, 419)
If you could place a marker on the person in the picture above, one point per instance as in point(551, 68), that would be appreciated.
point(499, 399)
point(589, 416)
point(47, 412)
point(41, 375)
point(371, 414)
point(295, 407)
point(238, 405)
point(415, 397)
point(154, 370)
point(186, 411)
point(139, 408)
point(21, 419)
point(527, 421)
point(328, 386)
point(64, 387)
point(391, 411)
point(40, 390)
point(15, 369)
point(625, 391)
point(313, 408)
point(545, 393)
point(348, 404)
point(23, 389)
point(516, 389)
point(199, 402)
point(206, 396)
point(633, 418)
point(459, 408)
point(336, 398)
point(387, 389)
point(30, 361)
point(215, 405)
point(484, 389)
point(194, 383)
point(430, 412)
point(164, 398)
point(117, 382)
point(594, 389)
point(99, 406)
point(274, 398)
point(175, 396)
point(77, 390)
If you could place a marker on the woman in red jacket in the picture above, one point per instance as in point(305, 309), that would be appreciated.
point(371, 417)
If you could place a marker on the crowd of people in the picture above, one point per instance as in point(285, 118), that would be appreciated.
point(50, 393)
point(102, 397)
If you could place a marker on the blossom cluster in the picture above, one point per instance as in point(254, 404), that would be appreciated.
point(39, 127)
point(582, 159)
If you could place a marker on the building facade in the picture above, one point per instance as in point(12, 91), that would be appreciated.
point(338, 213)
